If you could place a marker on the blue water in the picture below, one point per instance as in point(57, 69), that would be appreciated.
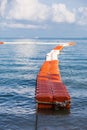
point(19, 65)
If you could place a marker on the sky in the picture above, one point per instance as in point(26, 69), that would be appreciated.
point(43, 18)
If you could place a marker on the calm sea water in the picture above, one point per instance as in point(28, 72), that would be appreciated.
point(19, 65)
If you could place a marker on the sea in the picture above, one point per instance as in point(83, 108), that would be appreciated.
point(20, 62)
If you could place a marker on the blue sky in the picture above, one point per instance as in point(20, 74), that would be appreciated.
point(43, 18)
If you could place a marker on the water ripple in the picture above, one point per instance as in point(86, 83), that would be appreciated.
point(19, 65)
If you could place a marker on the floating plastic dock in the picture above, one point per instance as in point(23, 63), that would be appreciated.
point(50, 90)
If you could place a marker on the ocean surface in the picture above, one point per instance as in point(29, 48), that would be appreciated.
point(20, 61)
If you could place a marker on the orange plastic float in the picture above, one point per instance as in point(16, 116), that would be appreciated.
point(50, 90)
point(1, 42)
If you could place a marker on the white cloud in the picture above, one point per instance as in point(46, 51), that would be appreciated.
point(23, 26)
point(82, 16)
point(3, 4)
point(62, 14)
point(35, 10)
point(28, 10)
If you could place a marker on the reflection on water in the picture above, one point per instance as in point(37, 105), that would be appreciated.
point(51, 119)
point(25, 50)
point(53, 112)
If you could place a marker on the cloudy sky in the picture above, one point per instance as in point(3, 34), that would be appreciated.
point(43, 18)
